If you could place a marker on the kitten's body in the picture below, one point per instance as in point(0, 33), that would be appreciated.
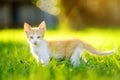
point(43, 50)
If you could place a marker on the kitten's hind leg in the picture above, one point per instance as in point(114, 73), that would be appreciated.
point(75, 58)
point(84, 59)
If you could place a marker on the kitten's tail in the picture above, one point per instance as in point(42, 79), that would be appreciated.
point(95, 51)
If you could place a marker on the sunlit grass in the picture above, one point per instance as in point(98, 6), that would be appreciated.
point(16, 62)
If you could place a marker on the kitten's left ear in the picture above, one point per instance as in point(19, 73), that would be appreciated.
point(27, 28)
point(42, 26)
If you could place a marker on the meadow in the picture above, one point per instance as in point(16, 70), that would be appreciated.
point(17, 63)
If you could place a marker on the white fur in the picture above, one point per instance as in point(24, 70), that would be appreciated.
point(41, 52)
point(75, 58)
point(35, 39)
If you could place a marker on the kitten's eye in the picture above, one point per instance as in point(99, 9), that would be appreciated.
point(38, 37)
point(31, 37)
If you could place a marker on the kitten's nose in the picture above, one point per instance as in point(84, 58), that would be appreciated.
point(35, 43)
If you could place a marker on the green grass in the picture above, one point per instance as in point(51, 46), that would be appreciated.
point(17, 63)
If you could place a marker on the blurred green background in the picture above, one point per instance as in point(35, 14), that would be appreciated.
point(94, 21)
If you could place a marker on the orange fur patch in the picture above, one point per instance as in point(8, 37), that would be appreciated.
point(64, 47)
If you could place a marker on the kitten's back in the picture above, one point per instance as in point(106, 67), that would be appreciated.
point(64, 47)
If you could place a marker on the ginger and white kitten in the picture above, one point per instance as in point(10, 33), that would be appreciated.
point(43, 50)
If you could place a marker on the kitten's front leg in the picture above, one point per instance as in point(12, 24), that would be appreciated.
point(36, 57)
point(45, 58)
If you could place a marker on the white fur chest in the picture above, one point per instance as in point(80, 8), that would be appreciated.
point(41, 52)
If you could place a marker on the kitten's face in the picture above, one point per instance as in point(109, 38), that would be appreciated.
point(35, 35)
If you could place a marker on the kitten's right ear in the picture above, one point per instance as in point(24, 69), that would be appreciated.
point(27, 28)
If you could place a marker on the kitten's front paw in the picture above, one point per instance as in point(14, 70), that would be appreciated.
point(45, 61)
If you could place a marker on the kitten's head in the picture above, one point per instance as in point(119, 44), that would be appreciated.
point(35, 35)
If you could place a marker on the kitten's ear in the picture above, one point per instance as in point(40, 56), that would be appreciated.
point(42, 26)
point(27, 28)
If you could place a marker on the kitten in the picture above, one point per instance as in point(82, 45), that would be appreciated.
point(43, 50)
